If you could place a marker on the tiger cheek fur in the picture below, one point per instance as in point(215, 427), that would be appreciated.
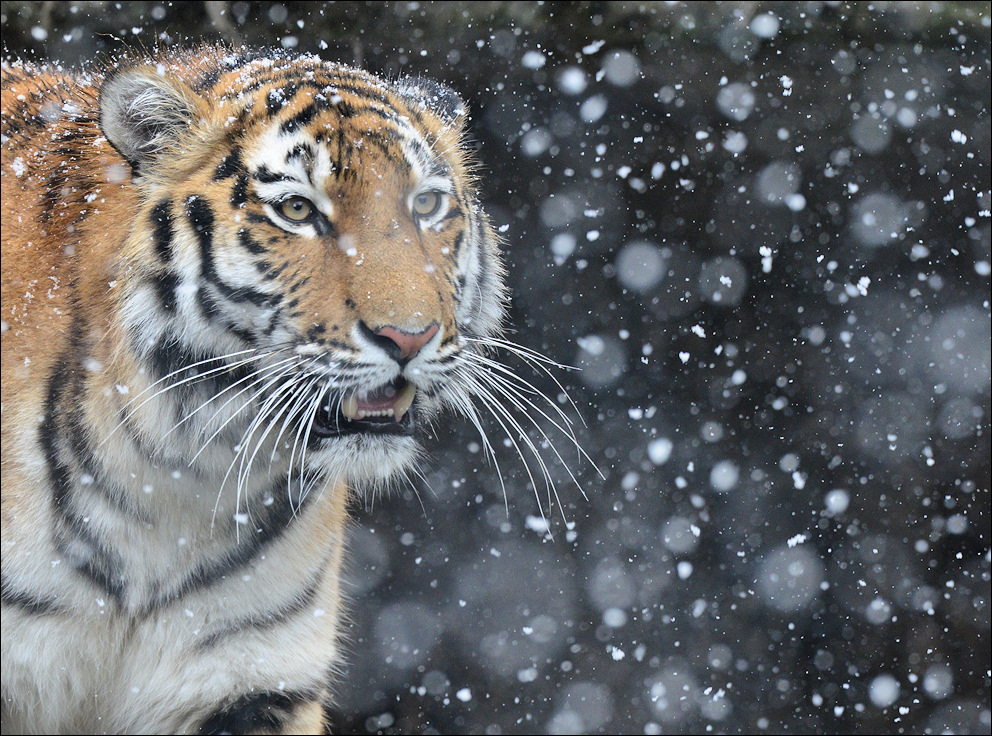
point(233, 287)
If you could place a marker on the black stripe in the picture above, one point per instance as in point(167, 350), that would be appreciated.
point(267, 176)
point(230, 165)
point(314, 333)
point(56, 190)
point(270, 523)
point(302, 151)
point(339, 167)
point(452, 213)
point(324, 227)
point(249, 243)
point(385, 139)
point(242, 293)
point(48, 432)
point(326, 84)
point(86, 462)
point(209, 79)
point(165, 284)
point(301, 119)
point(300, 602)
point(298, 284)
point(28, 602)
point(277, 272)
point(161, 221)
point(169, 356)
point(278, 97)
point(273, 323)
point(247, 294)
point(208, 305)
point(263, 219)
point(96, 561)
point(346, 110)
point(422, 152)
point(359, 88)
point(201, 217)
point(256, 713)
point(239, 192)
point(237, 295)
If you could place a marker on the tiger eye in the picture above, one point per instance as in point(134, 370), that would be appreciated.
point(426, 204)
point(296, 209)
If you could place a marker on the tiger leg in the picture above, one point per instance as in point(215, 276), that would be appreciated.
point(270, 713)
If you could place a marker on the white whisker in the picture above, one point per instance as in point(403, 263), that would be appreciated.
point(536, 360)
point(257, 372)
point(127, 410)
point(283, 369)
point(499, 413)
point(522, 402)
point(540, 430)
point(464, 405)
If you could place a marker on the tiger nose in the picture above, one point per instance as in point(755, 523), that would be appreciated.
point(402, 345)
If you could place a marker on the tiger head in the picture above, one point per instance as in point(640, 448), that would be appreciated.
point(319, 229)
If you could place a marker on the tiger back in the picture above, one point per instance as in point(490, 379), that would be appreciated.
point(234, 287)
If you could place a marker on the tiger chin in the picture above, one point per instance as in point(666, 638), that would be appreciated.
point(235, 288)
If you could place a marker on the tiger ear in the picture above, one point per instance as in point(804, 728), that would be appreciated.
point(144, 112)
point(436, 97)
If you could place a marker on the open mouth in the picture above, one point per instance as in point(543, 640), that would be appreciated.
point(387, 410)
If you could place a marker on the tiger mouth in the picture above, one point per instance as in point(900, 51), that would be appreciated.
point(387, 410)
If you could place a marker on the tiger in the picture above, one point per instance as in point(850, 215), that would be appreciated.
point(237, 287)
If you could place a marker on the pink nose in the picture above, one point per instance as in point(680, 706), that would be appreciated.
point(409, 343)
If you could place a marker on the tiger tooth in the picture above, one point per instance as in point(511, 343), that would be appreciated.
point(404, 401)
point(349, 406)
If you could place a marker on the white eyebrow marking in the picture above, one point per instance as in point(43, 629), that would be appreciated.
point(435, 184)
point(297, 178)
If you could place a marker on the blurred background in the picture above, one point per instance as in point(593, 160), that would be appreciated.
point(761, 233)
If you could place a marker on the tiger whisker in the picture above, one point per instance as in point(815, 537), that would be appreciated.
point(313, 406)
point(516, 403)
point(499, 413)
point(227, 367)
point(536, 360)
point(266, 418)
point(240, 447)
point(523, 385)
point(515, 395)
point(263, 373)
point(254, 374)
point(464, 404)
point(300, 402)
point(284, 400)
point(298, 375)
point(290, 415)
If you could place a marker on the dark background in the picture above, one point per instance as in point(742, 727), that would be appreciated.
point(762, 231)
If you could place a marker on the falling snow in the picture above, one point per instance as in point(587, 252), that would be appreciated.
point(757, 239)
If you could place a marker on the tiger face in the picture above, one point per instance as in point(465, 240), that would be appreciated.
point(318, 229)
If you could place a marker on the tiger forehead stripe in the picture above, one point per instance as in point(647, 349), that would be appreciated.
point(311, 110)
